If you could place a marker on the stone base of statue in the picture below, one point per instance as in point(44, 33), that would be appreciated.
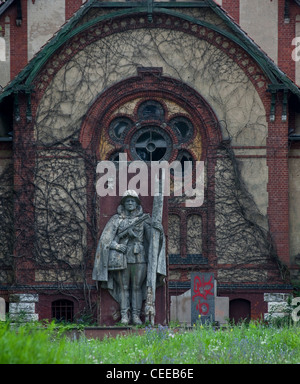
point(109, 313)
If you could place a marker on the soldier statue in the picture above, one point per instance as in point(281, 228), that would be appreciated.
point(122, 257)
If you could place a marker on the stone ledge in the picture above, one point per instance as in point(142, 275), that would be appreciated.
point(276, 297)
point(23, 298)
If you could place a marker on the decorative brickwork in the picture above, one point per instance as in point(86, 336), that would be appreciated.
point(125, 23)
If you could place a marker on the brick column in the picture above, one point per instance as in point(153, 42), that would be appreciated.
point(18, 40)
point(24, 166)
point(71, 7)
point(278, 185)
point(233, 9)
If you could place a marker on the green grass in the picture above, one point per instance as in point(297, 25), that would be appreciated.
point(253, 343)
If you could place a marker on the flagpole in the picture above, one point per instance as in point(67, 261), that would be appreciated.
point(154, 247)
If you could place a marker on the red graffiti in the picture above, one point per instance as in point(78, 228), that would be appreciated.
point(203, 308)
point(202, 289)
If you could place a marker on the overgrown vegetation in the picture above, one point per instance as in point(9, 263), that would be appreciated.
point(252, 343)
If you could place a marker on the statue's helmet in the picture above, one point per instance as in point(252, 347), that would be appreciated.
point(130, 193)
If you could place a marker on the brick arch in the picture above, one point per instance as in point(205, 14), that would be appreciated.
point(150, 83)
point(86, 36)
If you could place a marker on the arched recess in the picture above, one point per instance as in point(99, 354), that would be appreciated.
point(173, 99)
point(62, 310)
point(239, 310)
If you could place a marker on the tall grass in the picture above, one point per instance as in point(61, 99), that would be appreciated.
point(244, 344)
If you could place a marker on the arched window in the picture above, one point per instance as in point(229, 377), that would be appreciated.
point(150, 134)
point(2, 49)
point(63, 310)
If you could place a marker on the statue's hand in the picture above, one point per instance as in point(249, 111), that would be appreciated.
point(121, 248)
point(157, 225)
point(118, 247)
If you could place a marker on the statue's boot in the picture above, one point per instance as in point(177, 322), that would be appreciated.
point(136, 318)
point(124, 318)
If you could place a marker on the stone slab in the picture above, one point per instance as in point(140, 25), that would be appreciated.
point(221, 309)
point(202, 297)
point(2, 309)
point(180, 310)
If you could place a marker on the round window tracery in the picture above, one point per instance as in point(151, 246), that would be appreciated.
point(183, 128)
point(119, 127)
point(151, 144)
point(150, 110)
point(148, 140)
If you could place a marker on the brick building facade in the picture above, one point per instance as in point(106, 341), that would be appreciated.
point(215, 81)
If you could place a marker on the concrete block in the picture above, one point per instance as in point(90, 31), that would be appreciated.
point(2, 309)
point(202, 297)
point(221, 309)
point(180, 310)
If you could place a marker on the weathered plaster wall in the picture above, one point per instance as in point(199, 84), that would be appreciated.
point(5, 53)
point(264, 31)
point(215, 76)
point(44, 19)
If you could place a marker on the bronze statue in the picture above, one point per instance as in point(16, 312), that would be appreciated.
point(123, 261)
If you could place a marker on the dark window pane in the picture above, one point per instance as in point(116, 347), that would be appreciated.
point(150, 110)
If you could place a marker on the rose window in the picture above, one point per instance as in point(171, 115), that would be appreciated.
point(150, 135)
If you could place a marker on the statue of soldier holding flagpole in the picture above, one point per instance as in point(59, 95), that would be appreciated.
point(131, 258)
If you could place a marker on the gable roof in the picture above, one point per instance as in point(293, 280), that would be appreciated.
point(23, 81)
